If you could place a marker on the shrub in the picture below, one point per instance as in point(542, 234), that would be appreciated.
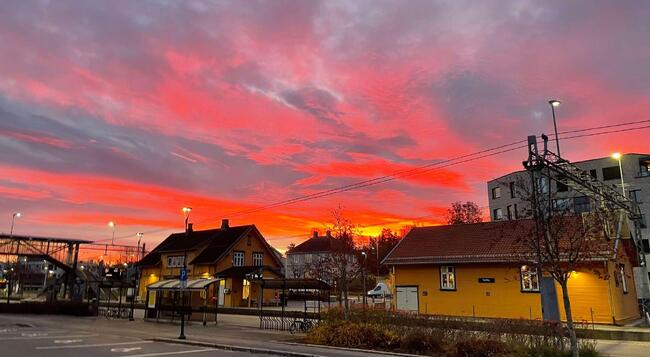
point(419, 341)
point(481, 348)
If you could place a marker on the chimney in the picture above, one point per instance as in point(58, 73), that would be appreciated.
point(190, 227)
point(328, 234)
point(224, 224)
point(315, 234)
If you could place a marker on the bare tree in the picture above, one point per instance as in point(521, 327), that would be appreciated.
point(464, 213)
point(562, 241)
point(342, 265)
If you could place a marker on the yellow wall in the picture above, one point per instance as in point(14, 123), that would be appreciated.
point(148, 276)
point(589, 293)
point(500, 299)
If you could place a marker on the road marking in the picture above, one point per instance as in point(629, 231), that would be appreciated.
point(125, 349)
point(93, 345)
point(7, 330)
point(43, 337)
point(34, 334)
point(173, 353)
point(68, 341)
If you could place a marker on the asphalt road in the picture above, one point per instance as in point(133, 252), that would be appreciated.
point(25, 340)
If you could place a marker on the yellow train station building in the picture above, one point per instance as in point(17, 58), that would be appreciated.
point(219, 261)
point(471, 270)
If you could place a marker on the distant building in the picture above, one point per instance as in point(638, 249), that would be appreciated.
point(309, 258)
point(224, 259)
point(463, 270)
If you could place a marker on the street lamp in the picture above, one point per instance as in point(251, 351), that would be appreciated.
point(112, 225)
point(618, 156)
point(13, 219)
point(186, 213)
point(555, 103)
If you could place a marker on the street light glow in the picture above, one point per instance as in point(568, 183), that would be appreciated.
point(554, 102)
point(616, 155)
point(111, 224)
point(187, 210)
point(17, 214)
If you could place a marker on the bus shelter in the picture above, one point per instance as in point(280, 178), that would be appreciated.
point(168, 299)
point(317, 290)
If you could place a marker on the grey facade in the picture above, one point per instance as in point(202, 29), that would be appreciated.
point(505, 203)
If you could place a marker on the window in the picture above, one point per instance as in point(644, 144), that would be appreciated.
point(635, 195)
point(643, 222)
point(562, 204)
point(561, 185)
point(246, 289)
point(498, 214)
point(512, 190)
point(496, 192)
point(611, 173)
point(516, 211)
point(623, 279)
point(529, 279)
point(594, 174)
point(447, 278)
point(581, 204)
point(258, 259)
point(238, 259)
point(644, 167)
point(509, 212)
point(542, 184)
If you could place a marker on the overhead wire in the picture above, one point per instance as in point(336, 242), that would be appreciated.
point(497, 150)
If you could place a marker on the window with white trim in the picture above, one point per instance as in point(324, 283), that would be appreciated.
point(238, 259)
point(258, 259)
point(447, 277)
point(496, 192)
point(529, 279)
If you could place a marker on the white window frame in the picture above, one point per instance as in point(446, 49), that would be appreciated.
point(258, 259)
point(447, 277)
point(498, 214)
point(527, 275)
point(238, 259)
point(496, 192)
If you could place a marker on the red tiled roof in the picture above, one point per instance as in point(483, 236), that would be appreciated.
point(313, 245)
point(463, 243)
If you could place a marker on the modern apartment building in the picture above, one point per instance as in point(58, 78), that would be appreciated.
point(506, 203)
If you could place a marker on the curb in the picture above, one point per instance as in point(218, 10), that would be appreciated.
point(388, 353)
point(236, 348)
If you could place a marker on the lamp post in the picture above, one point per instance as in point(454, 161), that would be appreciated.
point(139, 234)
point(13, 219)
point(555, 103)
point(363, 276)
point(618, 157)
point(186, 212)
point(112, 225)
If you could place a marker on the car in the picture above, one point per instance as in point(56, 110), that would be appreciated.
point(381, 290)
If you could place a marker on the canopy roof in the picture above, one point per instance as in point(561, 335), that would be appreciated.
point(175, 284)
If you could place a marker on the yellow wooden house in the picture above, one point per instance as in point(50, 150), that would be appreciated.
point(471, 270)
point(224, 259)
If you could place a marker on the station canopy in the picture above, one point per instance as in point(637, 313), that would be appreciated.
point(175, 284)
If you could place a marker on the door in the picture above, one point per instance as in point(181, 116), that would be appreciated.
point(222, 285)
point(407, 298)
point(550, 311)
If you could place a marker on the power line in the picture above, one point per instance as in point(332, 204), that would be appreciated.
point(419, 170)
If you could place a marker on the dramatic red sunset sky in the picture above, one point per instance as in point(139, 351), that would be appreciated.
point(127, 111)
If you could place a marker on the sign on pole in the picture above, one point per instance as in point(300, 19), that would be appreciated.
point(183, 278)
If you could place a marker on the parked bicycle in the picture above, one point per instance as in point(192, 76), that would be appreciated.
point(303, 326)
